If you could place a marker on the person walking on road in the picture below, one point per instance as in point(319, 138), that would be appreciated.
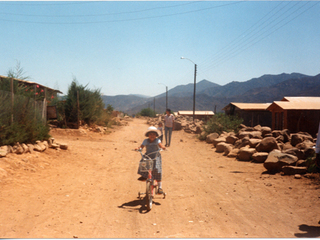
point(168, 126)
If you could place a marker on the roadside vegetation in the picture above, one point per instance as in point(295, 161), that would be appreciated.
point(20, 121)
point(22, 116)
point(147, 112)
point(82, 105)
point(221, 123)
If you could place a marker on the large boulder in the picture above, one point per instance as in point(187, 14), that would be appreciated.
point(265, 130)
point(253, 142)
point(233, 153)
point(305, 145)
point(3, 152)
point(221, 147)
point(25, 148)
point(242, 142)
point(177, 126)
point(39, 146)
point(246, 153)
point(250, 134)
point(292, 170)
point(211, 137)
point(218, 140)
point(257, 128)
point(63, 146)
point(31, 147)
point(267, 145)
point(287, 146)
point(231, 139)
point(296, 152)
point(256, 134)
point(276, 160)
point(18, 149)
point(228, 149)
point(244, 134)
point(260, 157)
point(297, 138)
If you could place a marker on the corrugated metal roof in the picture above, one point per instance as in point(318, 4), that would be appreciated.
point(250, 106)
point(32, 83)
point(296, 105)
point(301, 99)
point(196, 113)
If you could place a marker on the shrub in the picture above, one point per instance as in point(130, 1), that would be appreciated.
point(221, 122)
point(90, 104)
point(147, 112)
point(312, 165)
point(21, 122)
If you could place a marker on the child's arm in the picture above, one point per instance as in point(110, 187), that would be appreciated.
point(163, 147)
point(142, 146)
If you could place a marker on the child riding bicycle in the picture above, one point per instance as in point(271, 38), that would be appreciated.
point(152, 144)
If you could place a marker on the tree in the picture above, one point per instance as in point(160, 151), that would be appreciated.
point(147, 112)
point(109, 108)
point(90, 104)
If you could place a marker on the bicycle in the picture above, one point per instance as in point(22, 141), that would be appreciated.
point(146, 165)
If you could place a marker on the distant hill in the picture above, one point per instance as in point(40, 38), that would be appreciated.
point(187, 90)
point(306, 86)
point(211, 96)
point(124, 102)
point(237, 88)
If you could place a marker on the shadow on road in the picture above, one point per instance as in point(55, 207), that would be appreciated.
point(310, 231)
point(138, 205)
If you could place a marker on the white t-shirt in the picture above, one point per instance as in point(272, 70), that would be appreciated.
point(168, 120)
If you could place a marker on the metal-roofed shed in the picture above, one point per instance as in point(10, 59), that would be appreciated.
point(201, 115)
point(252, 113)
point(296, 114)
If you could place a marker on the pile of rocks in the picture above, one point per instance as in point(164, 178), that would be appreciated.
point(39, 146)
point(181, 123)
point(279, 151)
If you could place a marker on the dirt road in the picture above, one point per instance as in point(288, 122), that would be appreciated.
point(91, 189)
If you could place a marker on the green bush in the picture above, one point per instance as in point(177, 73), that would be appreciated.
point(105, 119)
point(311, 164)
point(221, 122)
point(27, 125)
point(90, 104)
point(147, 112)
point(21, 122)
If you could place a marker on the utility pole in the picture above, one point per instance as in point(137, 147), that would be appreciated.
point(154, 106)
point(166, 98)
point(194, 91)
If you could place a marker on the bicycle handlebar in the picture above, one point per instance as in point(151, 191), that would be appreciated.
point(147, 155)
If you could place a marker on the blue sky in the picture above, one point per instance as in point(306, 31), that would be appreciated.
point(129, 47)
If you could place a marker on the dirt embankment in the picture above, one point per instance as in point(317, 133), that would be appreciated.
point(91, 190)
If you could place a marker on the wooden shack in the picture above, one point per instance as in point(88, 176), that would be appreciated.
point(252, 113)
point(296, 114)
point(39, 93)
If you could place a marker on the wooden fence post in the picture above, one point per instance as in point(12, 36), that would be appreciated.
point(12, 100)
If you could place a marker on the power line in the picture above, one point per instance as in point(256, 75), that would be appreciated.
point(257, 38)
point(98, 15)
point(122, 20)
point(240, 38)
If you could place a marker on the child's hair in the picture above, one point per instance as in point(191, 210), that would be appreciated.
point(160, 123)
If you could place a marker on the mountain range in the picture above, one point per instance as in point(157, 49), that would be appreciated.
point(213, 97)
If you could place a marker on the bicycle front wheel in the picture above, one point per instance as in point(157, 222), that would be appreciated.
point(149, 195)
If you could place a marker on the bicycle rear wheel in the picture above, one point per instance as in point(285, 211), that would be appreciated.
point(149, 195)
